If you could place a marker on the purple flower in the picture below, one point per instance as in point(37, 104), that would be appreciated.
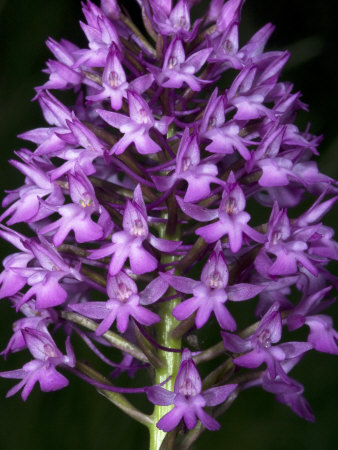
point(27, 206)
point(177, 69)
point(199, 175)
point(81, 158)
point(323, 336)
point(114, 81)
point(44, 278)
point(100, 33)
point(61, 74)
point(129, 242)
point(11, 281)
point(37, 320)
point(42, 368)
point(232, 219)
point(288, 390)
point(136, 127)
point(124, 302)
point(188, 398)
point(77, 216)
point(174, 21)
point(259, 348)
point(210, 294)
point(295, 244)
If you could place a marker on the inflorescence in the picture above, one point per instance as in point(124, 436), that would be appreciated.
point(142, 200)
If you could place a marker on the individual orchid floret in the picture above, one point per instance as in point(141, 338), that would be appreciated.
point(225, 41)
point(281, 171)
point(129, 242)
point(210, 293)
point(110, 9)
point(177, 69)
point(61, 74)
point(287, 244)
point(252, 51)
point(270, 145)
point(214, 113)
point(81, 158)
point(42, 368)
point(56, 115)
point(101, 34)
point(225, 137)
point(232, 219)
point(26, 205)
point(198, 175)
point(188, 398)
point(54, 112)
point(266, 153)
point(316, 211)
point(136, 127)
point(124, 302)
point(63, 50)
point(323, 336)
point(297, 403)
point(248, 100)
point(174, 21)
point(38, 320)
point(45, 278)
point(275, 290)
point(230, 12)
point(11, 281)
point(225, 48)
point(288, 390)
point(114, 82)
point(258, 348)
point(76, 216)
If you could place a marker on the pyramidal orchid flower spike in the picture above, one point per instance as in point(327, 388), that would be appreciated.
point(140, 200)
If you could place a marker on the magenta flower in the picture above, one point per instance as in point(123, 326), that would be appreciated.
point(174, 21)
point(177, 69)
point(199, 175)
point(136, 127)
point(77, 216)
point(34, 320)
point(232, 219)
point(124, 302)
point(188, 398)
point(42, 368)
point(27, 206)
point(259, 347)
point(129, 242)
point(114, 82)
point(210, 294)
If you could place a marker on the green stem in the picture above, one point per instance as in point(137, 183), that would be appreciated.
point(164, 337)
point(117, 399)
point(114, 339)
point(172, 362)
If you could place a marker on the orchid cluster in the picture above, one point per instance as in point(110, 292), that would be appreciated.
point(142, 203)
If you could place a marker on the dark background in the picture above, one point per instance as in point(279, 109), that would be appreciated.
point(76, 417)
